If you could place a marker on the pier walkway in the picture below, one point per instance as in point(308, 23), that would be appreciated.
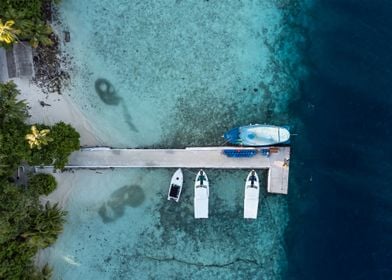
point(196, 157)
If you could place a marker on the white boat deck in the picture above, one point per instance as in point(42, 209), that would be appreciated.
point(251, 206)
point(201, 208)
point(198, 157)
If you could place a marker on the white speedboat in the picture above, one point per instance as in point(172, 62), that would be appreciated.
point(251, 200)
point(202, 190)
point(175, 186)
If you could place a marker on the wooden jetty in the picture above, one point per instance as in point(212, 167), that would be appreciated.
point(277, 162)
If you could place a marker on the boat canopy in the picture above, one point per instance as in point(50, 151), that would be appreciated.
point(257, 135)
point(202, 193)
point(252, 193)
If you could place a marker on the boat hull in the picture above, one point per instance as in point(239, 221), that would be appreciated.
point(202, 189)
point(176, 186)
point(251, 198)
point(258, 135)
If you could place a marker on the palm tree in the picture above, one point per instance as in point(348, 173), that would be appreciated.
point(39, 34)
point(11, 109)
point(32, 29)
point(37, 138)
point(7, 33)
point(46, 224)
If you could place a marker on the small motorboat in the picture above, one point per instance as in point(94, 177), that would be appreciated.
point(258, 135)
point(251, 200)
point(175, 186)
point(202, 190)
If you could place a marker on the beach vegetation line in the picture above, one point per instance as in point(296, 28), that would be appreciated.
point(24, 20)
point(42, 183)
point(27, 225)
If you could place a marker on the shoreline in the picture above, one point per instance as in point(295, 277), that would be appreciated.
point(58, 108)
point(60, 196)
point(75, 117)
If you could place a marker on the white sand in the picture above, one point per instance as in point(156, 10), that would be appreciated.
point(65, 183)
point(61, 109)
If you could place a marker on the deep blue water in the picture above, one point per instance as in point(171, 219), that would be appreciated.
point(341, 189)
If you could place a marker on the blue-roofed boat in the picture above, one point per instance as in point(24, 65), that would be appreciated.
point(258, 135)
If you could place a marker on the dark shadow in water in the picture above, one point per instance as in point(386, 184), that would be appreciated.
point(106, 92)
point(128, 119)
point(108, 95)
point(113, 209)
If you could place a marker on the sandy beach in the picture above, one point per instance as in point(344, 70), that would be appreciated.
point(65, 181)
point(182, 79)
point(60, 195)
point(58, 108)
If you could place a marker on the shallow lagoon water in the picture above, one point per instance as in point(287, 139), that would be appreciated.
point(182, 72)
point(141, 235)
point(173, 74)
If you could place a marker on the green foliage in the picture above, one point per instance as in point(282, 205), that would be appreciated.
point(8, 34)
point(42, 184)
point(39, 33)
point(28, 8)
point(37, 138)
point(11, 109)
point(29, 19)
point(13, 114)
point(13, 147)
point(45, 224)
point(13, 130)
point(25, 227)
point(65, 141)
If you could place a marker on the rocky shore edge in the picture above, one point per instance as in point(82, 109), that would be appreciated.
point(50, 75)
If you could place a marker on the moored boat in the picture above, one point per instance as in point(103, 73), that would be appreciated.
point(202, 189)
point(175, 186)
point(258, 135)
point(251, 200)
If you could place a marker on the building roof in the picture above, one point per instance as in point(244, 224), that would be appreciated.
point(17, 62)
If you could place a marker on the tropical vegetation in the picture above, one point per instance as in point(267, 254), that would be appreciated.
point(45, 145)
point(37, 138)
point(26, 225)
point(42, 184)
point(7, 33)
point(65, 141)
point(25, 20)
point(13, 128)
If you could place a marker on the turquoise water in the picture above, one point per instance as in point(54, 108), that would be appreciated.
point(177, 73)
point(120, 226)
point(183, 71)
